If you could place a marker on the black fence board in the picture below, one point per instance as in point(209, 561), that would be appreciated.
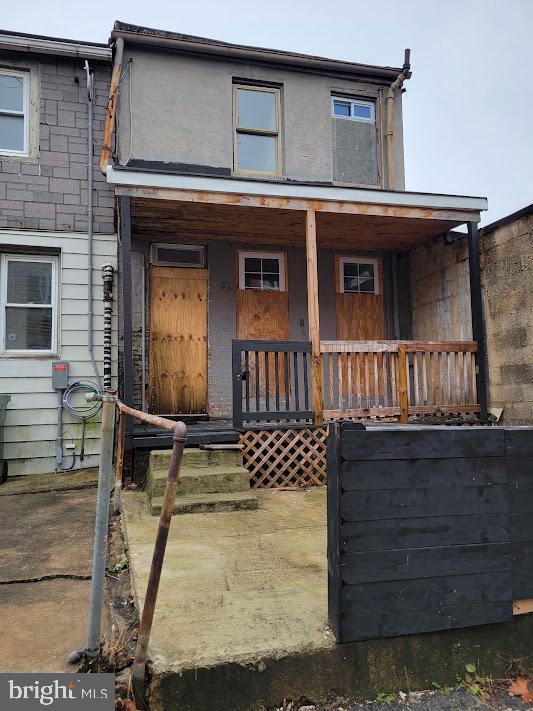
point(422, 443)
point(421, 529)
point(358, 536)
point(421, 503)
point(416, 473)
point(519, 441)
point(521, 527)
point(519, 470)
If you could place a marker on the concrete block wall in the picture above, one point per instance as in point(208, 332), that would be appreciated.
point(507, 271)
point(48, 190)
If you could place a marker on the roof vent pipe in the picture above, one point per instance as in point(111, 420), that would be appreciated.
point(396, 84)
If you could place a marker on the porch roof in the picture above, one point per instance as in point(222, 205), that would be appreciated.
point(199, 208)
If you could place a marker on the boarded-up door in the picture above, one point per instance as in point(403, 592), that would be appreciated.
point(178, 341)
point(360, 304)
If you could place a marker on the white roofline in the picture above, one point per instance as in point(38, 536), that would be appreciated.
point(19, 43)
point(134, 178)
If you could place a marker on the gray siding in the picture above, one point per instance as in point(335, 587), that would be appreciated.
point(187, 103)
point(48, 190)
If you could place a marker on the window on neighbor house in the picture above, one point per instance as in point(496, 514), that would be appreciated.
point(256, 123)
point(13, 112)
point(28, 298)
point(262, 270)
point(352, 109)
point(358, 276)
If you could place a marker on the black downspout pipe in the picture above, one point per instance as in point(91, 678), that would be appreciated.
point(127, 324)
point(478, 322)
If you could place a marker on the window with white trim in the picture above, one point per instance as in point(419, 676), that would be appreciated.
point(264, 271)
point(256, 124)
point(358, 276)
point(14, 118)
point(28, 300)
point(352, 109)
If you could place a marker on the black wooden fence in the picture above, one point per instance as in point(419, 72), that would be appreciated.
point(271, 382)
point(429, 528)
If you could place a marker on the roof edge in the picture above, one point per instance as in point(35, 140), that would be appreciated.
point(42, 44)
point(523, 212)
point(203, 45)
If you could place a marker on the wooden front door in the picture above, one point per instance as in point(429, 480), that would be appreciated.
point(359, 298)
point(178, 341)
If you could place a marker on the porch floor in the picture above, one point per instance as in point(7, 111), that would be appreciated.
point(236, 587)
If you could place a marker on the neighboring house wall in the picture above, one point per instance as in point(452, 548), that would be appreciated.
point(180, 111)
point(440, 292)
point(507, 261)
point(43, 210)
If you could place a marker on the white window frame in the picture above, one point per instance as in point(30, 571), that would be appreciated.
point(25, 113)
point(353, 102)
point(280, 256)
point(4, 262)
point(359, 260)
point(276, 134)
point(199, 249)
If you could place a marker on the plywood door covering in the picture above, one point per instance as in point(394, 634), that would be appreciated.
point(264, 315)
point(178, 340)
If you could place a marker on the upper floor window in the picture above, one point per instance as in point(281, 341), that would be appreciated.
point(28, 301)
point(256, 123)
point(13, 112)
point(353, 109)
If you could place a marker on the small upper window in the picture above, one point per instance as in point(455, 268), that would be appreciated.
point(353, 109)
point(29, 304)
point(262, 270)
point(13, 112)
point(358, 276)
point(256, 130)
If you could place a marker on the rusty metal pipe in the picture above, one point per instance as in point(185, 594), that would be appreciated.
point(147, 418)
point(396, 84)
point(145, 628)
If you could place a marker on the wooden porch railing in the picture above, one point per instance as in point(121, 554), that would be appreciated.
point(271, 382)
point(398, 378)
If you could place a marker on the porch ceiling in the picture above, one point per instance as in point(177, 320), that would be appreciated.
point(193, 221)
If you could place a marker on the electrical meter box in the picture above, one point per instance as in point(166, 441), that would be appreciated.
point(60, 374)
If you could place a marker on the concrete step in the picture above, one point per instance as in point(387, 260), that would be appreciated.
point(196, 457)
point(207, 503)
point(201, 480)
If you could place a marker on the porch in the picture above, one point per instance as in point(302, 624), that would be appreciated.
point(304, 341)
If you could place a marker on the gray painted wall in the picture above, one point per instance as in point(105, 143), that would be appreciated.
point(222, 311)
point(48, 189)
point(181, 112)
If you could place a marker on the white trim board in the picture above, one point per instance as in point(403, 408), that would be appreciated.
point(289, 190)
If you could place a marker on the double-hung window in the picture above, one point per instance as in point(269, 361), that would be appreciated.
point(13, 112)
point(28, 301)
point(256, 135)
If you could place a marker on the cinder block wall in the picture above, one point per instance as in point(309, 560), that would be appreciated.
point(507, 269)
point(440, 292)
point(48, 190)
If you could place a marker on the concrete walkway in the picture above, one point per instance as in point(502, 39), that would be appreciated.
point(45, 570)
point(239, 586)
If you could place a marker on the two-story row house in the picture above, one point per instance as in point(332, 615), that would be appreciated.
point(57, 230)
point(267, 242)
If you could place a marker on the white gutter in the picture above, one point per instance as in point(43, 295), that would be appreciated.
point(290, 190)
point(19, 43)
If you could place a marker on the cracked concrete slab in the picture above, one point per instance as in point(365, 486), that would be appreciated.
point(47, 538)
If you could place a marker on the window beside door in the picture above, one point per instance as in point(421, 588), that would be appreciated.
point(263, 271)
point(256, 130)
point(28, 301)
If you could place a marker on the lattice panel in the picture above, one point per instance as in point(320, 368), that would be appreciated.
point(291, 458)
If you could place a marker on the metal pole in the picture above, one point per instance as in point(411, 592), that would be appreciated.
point(478, 323)
point(101, 525)
point(141, 650)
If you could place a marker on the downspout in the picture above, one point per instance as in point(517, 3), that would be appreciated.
point(107, 276)
point(90, 216)
point(396, 84)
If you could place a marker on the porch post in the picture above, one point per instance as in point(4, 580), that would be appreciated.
point(127, 326)
point(313, 314)
point(478, 323)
